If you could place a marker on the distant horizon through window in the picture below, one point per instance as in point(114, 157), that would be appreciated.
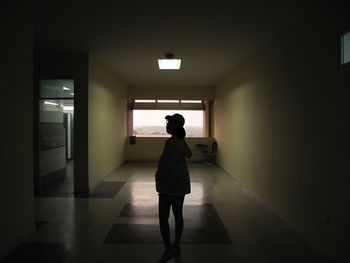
point(152, 123)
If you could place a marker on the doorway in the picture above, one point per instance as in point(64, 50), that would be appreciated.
point(56, 138)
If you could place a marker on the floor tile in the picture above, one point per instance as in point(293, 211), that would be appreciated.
point(40, 252)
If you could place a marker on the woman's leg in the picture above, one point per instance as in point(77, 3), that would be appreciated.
point(164, 210)
point(177, 206)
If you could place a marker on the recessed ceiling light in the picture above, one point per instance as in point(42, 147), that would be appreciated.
point(69, 108)
point(50, 103)
point(191, 101)
point(168, 101)
point(145, 101)
point(65, 88)
point(169, 62)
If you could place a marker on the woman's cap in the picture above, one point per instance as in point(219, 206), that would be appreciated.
point(178, 118)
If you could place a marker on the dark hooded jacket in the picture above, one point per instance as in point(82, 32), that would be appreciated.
point(172, 176)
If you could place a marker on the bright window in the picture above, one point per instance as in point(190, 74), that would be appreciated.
point(146, 118)
point(151, 123)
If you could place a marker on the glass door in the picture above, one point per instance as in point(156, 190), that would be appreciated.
point(56, 126)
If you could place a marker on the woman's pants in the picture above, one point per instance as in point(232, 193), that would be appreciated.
point(176, 202)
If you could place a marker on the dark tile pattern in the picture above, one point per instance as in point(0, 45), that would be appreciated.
point(202, 226)
point(33, 252)
point(130, 210)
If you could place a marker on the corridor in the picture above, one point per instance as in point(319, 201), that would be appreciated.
point(120, 223)
point(88, 88)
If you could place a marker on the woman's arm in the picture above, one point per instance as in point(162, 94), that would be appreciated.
point(185, 148)
point(188, 151)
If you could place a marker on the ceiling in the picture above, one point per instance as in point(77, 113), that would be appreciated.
point(211, 38)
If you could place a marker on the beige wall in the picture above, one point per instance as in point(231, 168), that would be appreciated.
point(170, 92)
point(107, 121)
point(257, 129)
point(16, 108)
point(279, 123)
point(150, 149)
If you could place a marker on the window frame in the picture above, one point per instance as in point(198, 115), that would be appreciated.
point(203, 106)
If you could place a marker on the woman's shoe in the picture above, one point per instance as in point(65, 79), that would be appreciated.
point(177, 249)
point(168, 254)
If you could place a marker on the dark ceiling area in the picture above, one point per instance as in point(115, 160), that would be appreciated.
point(211, 38)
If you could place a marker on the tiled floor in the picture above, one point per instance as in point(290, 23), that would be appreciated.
point(222, 223)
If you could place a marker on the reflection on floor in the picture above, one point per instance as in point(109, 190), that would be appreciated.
point(222, 224)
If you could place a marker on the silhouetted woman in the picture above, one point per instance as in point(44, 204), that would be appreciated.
point(173, 183)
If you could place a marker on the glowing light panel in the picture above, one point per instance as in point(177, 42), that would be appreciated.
point(169, 63)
